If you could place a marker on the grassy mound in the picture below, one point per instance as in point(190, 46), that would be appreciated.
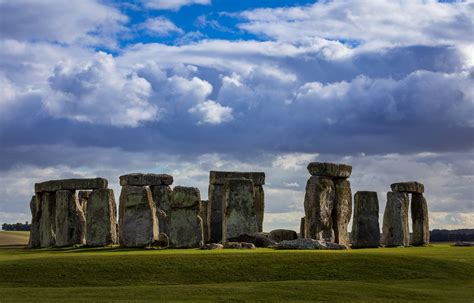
point(438, 273)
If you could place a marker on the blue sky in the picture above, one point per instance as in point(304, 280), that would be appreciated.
point(103, 88)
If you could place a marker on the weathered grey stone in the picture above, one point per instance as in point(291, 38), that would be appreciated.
point(342, 211)
point(259, 205)
point(212, 246)
point(420, 220)
point(70, 219)
point(239, 218)
point(139, 179)
point(185, 225)
point(279, 235)
point(331, 170)
point(70, 184)
point(137, 222)
point(47, 219)
point(101, 218)
point(302, 228)
point(408, 187)
point(262, 240)
point(35, 207)
point(215, 210)
point(219, 177)
point(306, 244)
point(203, 214)
point(395, 220)
point(83, 197)
point(318, 205)
point(365, 225)
point(162, 196)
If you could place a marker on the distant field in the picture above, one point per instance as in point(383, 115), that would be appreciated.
point(427, 274)
point(14, 238)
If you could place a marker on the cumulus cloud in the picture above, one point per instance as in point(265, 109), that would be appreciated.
point(172, 4)
point(160, 26)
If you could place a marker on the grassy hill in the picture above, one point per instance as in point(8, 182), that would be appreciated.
point(428, 274)
point(14, 238)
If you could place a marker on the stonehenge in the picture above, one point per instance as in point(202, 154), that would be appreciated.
point(151, 213)
point(328, 202)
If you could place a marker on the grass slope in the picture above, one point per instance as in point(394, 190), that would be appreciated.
point(14, 238)
point(429, 274)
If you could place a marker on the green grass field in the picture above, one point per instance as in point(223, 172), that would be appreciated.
point(429, 274)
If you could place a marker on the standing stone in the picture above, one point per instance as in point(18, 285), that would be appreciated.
point(47, 219)
point(365, 225)
point(70, 220)
point(342, 211)
point(162, 195)
point(259, 205)
point(395, 220)
point(239, 218)
point(203, 215)
point(215, 212)
point(137, 224)
point(302, 228)
point(35, 206)
point(318, 205)
point(419, 216)
point(184, 223)
point(101, 219)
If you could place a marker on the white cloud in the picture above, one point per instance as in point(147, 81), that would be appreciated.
point(212, 112)
point(160, 26)
point(172, 4)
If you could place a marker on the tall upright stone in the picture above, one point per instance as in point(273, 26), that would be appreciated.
point(35, 207)
point(184, 223)
point(203, 214)
point(101, 218)
point(137, 224)
point(342, 212)
point(48, 219)
point(162, 195)
point(420, 220)
point(239, 218)
point(365, 225)
point(70, 219)
point(395, 220)
point(318, 205)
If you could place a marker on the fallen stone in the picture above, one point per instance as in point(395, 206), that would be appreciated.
point(212, 246)
point(408, 187)
point(259, 205)
point(342, 211)
point(318, 205)
point(279, 235)
point(70, 219)
point(239, 218)
point(70, 184)
point(162, 196)
point(203, 214)
point(139, 179)
point(331, 170)
point(138, 225)
point(307, 244)
point(395, 220)
point(101, 218)
point(185, 225)
point(219, 177)
point(420, 220)
point(365, 225)
point(264, 241)
point(48, 219)
point(35, 207)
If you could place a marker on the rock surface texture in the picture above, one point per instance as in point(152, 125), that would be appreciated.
point(101, 218)
point(365, 225)
point(420, 220)
point(239, 218)
point(395, 220)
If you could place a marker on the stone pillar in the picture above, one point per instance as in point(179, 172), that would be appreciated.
point(239, 218)
point(302, 228)
point(47, 219)
point(342, 211)
point(162, 195)
point(318, 205)
point(419, 216)
point(101, 218)
point(137, 224)
point(184, 223)
point(365, 225)
point(35, 207)
point(395, 220)
point(203, 214)
point(70, 219)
